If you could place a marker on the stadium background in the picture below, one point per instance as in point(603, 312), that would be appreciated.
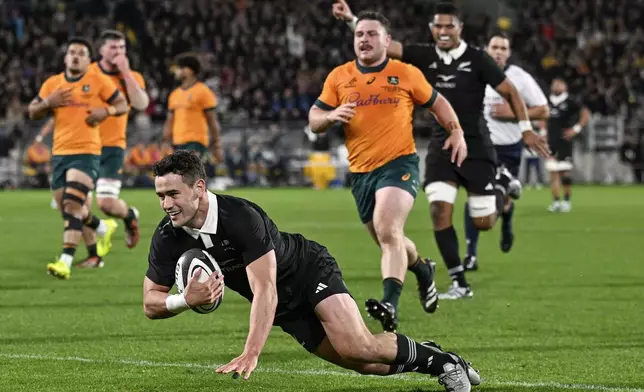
point(266, 62)
point(561, 312)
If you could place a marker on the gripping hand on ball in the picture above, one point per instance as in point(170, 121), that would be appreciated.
point(203, 293)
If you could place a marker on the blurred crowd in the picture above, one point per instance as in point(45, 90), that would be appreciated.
point(266, 60)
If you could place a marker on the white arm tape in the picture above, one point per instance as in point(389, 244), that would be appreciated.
point(525, 125)
point(577, 128)
point(176, 303)
point(353, 23)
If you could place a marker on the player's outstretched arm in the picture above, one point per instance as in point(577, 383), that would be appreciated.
point(532, 140)
point(262, 277)
point(342, 11)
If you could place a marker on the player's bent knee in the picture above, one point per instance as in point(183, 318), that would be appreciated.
point(441, 214)
point(106, 205)
point(72, 222)
point(388, 235)
point(441, 191)
point(484, 223)
point(566, 180)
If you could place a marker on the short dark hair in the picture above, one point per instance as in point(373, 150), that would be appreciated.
point(189, 60)
point(447, 8)
point(377, 16)
point(81, 41)
point(185, 163)
point(499, 34)
point(107, 35)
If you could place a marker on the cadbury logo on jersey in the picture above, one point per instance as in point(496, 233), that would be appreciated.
point(371, 100)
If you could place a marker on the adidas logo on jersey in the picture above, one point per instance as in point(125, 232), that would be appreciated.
point(321, 286)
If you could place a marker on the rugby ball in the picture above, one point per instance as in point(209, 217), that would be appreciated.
point(189, 262)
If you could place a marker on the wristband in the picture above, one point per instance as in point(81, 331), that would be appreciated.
point(353, 23)
point(176, 303)
point(39, 139)
point(577, 128)
point(111, 110)
point(525, 125)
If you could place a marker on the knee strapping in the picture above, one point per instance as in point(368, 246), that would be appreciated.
point(76, 192)
point(72, 222)
point(566, 180)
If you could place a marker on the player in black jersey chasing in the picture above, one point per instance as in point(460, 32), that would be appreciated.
point(568, 118)
point(460, 73)
point(291, 282)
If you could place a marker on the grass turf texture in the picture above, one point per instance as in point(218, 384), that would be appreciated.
point(560, 312)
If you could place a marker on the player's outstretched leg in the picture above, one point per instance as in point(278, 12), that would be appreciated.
point(470, 262)
point(107, 195)
point(350, 344)
point(392, 206)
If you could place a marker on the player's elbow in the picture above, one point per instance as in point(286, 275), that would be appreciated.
point(141, 103)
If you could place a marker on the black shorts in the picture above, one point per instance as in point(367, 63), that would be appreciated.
point(510, 157)
point(561, 150)
point(322, 279)
point(476, 175)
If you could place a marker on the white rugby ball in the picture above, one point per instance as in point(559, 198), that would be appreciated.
point(189, 262)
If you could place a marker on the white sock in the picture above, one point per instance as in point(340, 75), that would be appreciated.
point(67, 259)
point(102, 228)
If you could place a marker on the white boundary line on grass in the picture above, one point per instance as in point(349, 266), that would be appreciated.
point(311, 372)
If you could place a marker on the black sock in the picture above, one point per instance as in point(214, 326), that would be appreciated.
point(92, 222)
point(392, 289)
point(500, 201)
point(555, 198)
point(567, 196)
point(448, 245)
point(91, 250)
point(420, 269)
point(471, 233)
point(69, 249)
point(412, 354)
point(130, 216)
point(507, 218)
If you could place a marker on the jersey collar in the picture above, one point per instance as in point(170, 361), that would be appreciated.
point(106, 72)
point(212, 218)
point(452, 54)
point(377, 68)
point(557, 99)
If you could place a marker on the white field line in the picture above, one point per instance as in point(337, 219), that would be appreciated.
point(311, 372)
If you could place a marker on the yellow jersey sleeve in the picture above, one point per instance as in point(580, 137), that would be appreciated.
point(421, 91)
point(329, 98)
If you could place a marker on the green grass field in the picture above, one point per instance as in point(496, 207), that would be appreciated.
point(563, 311)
